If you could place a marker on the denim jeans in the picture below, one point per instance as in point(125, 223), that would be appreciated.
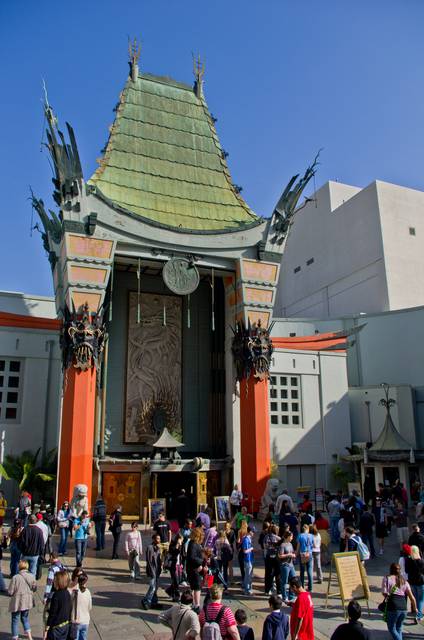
point(286, 572)
point(24, 616)
point(334, 528)
point(308, 566)
point(100, 534)
point(64, 532)
point(82, 632)
point(395, 622)
point(248, 575)
point(316, 557)
point(80, 547)
point(32, 564)
point(418, 591)
point(151, 596)
point(15, 556)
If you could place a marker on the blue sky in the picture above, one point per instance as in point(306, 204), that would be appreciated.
point(284, 78)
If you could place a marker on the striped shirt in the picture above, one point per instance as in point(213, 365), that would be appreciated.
point(212, 609)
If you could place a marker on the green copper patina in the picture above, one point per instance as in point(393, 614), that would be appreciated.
point(164, 162)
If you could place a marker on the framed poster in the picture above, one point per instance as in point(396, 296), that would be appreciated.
point(222, 508)
point(154, 361)
point(156, 506)
point(351, 577)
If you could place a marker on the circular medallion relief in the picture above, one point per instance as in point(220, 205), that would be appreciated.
point(180, 276)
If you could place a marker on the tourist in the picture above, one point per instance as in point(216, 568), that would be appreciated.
point(55, 566)
point(2, 582)
point(305, 545)
point(334, 509)
point(3, 507)
point(76, 573)
point(276, 624)
point(321, 523)
point(236, 498)
point(203, 518)
point(231, 537)
point(395, 590)
point(50, 520)
point(163, 529)
point(99, 519)
point(341, 528)
point(271, 544)
point(182, 508)
point(417, 538)
point(153, 571)
point(23, 510)
point(242, 516)
point(352, 630)
point(115, 527)
point(366, 529)
point(245, 632)
point(414, 567)
point(211, 536)
point(63, 521)
point(43, 528)
point(282, 498)
point(81, 607)
point(404, 554)
point(175, 566)
point(419, 515)
point(81, 529)
point(389, 507)
point(400, 516)
point(182, 619)
point(215, 611)
point(31, 544)
point(242, 532)
point(15, 552)
point(306, 505)
point(302, 613)
point(286, 555)
point(381, 531)
point(316, 552)
point(248, 556)
point(60, 611)
point(265, 530)
point(21, 591)
point(305, 518)
point(194, 565)
point(134, 550)
point(224, 554)
point(287, 517)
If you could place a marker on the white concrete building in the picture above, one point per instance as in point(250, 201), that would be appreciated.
point(309, 413)
point(354, 250)
point(30, 376)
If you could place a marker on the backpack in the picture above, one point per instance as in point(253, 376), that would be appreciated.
point(361, 548)
point(211, 630)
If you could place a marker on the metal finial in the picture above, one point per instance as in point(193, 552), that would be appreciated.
point(51, 118)
point(199, 72)
point(134, 50)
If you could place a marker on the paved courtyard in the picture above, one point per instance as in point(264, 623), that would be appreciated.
point(116, 600)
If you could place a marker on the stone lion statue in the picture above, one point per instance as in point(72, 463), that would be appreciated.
point(79, 502)
point(271, 493)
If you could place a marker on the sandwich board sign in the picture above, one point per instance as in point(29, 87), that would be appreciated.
point(351, 577)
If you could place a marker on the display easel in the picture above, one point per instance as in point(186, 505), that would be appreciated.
point(352, 579)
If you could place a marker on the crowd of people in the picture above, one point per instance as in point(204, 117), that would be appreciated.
point(191, 557)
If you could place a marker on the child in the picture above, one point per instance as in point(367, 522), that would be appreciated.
point(245, 632)
point(81, 607)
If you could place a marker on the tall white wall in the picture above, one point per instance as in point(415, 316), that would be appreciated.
point(27, 305)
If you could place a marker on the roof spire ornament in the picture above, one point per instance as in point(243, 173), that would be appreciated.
point(199, 72)
point(51, 118)
point(134, 50)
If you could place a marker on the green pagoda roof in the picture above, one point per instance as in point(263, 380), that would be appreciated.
point(163, 160)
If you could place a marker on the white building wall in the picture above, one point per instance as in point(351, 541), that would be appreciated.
point(325, 430)
point(26, 305)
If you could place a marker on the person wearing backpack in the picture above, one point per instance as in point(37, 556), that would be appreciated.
point(216, 620)
point(354, 542)
point(99, 519)
point(276, 624)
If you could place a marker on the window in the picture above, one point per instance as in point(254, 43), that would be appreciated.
point(412, 231)
point(10, 389)
point(284, 401)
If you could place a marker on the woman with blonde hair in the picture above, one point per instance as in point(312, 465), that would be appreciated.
point(194, 565)
point(21, 590)
point(414, 567)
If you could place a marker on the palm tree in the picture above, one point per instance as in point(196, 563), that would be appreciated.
point(27, 471)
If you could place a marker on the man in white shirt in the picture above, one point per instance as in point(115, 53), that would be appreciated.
point(283, 497)
point(334, 508)
point(42, 526)
point(235, 500)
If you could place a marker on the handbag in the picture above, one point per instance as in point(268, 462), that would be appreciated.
point(305, 556)
point(383, 605)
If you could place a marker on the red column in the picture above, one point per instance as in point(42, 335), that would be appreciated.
point(77, 433)
point(254, 437)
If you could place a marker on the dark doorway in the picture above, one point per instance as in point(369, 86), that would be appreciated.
point(390, 475)
point(169, 485)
